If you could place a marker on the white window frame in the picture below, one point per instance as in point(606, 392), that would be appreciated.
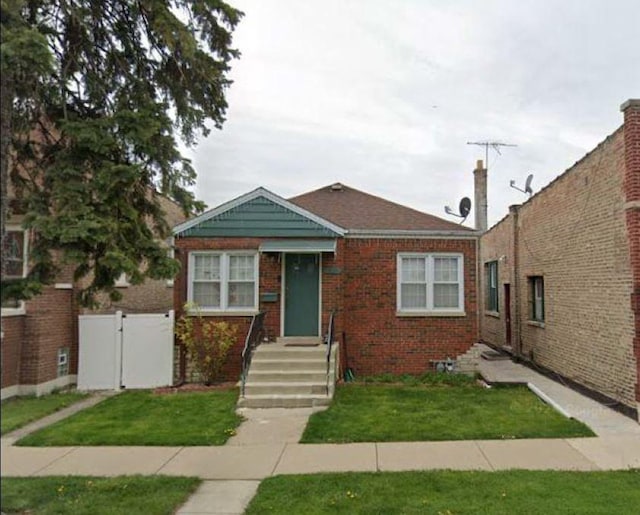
point(429, 309)
point(20, 309)
point(224, 281)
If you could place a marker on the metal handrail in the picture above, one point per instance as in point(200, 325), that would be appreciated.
point(256, 330)
point(329, 342)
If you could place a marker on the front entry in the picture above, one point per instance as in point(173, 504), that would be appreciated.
point(301, 294)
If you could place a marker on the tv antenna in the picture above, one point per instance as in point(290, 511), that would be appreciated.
point(527, 185)
point(495, 145)
point(464, 208)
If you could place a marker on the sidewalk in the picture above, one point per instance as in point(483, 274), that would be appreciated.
point(266, 445)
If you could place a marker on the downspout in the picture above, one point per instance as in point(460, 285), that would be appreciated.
point(516, 295)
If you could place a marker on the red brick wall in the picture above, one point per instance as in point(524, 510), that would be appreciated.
point(574, 234)
point(50, 324)
point(379, 341)
point(632, 207)
point(270, 272)
point(11, 347)
point(359, 284)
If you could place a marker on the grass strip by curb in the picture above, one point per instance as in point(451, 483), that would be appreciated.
point(450, 492)
point(130, 495)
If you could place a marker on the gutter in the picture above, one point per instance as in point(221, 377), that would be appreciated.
point(419, 234)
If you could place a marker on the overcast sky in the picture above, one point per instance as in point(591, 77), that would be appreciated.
point(383, 95)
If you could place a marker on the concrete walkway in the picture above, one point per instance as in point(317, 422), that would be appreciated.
point(602, 420)
point(266, 445)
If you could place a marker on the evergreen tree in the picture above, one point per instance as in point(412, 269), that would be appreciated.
point(95, 96)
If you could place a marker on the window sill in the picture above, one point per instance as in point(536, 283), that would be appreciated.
point(13, 312)
point(217, 313)
point(494, 314)
point(443, 314)
point(535, 323)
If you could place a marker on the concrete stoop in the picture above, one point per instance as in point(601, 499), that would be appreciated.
point(291, 373)
point(469, 362)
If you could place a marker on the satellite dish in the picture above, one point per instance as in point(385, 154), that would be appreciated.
point(464, 208)
point(527, 184)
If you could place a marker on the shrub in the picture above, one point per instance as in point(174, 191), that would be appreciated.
point(208, 343)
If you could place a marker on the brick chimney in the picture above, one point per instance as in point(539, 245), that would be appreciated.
point(480, 190)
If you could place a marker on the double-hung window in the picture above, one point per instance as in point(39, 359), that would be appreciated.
point(536, 298)
point(430, 283)
point(491, 275)
point(14, 252)
point(223, 281)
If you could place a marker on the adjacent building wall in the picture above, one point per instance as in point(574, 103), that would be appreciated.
point(33, 336)
point(575, 234)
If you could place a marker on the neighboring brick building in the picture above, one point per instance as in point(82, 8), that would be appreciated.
point(561, 279)
point(402, 283)
point(39, 346)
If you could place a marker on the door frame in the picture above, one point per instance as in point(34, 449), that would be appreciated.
point(283, 289)
point(508, 336)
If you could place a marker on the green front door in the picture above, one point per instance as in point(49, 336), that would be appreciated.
point(302, 292)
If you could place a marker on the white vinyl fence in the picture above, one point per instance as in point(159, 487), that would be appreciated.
point(130, 351)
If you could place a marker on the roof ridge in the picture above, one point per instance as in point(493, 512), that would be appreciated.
point(378, 198)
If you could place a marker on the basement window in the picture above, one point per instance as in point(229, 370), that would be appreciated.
point(63, 361)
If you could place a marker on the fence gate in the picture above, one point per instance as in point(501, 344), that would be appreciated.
point(131, 351)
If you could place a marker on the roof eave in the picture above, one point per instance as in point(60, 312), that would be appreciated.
point(413, 233)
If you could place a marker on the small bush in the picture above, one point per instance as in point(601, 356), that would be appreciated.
point(207, 343)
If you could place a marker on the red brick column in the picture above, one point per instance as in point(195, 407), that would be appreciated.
point(631, 110)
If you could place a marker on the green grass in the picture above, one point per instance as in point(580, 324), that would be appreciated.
point(449, 492)
point(19, 411)
point(98, 496)
point(145, 418)
point(382, 413)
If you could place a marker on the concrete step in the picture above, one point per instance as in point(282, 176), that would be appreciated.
point(274, 389)
point(283, 401)
point(286, 376)
point(299, 340)
point(278, 365)
point(279, 352)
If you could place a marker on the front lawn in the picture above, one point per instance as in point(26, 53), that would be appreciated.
point(400, 413)
point(19, 411)
point(99, 496)
point(449, 492)
point(146, 418)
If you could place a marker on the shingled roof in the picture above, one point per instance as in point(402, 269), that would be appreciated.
point(356, 210)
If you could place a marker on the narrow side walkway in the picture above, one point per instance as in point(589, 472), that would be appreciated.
point(602, 420)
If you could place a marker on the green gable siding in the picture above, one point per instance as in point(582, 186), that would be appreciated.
point(259, 217)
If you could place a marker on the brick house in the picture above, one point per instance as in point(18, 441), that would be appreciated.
point(39, 346)
point(402, 283)
point(561, 272)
